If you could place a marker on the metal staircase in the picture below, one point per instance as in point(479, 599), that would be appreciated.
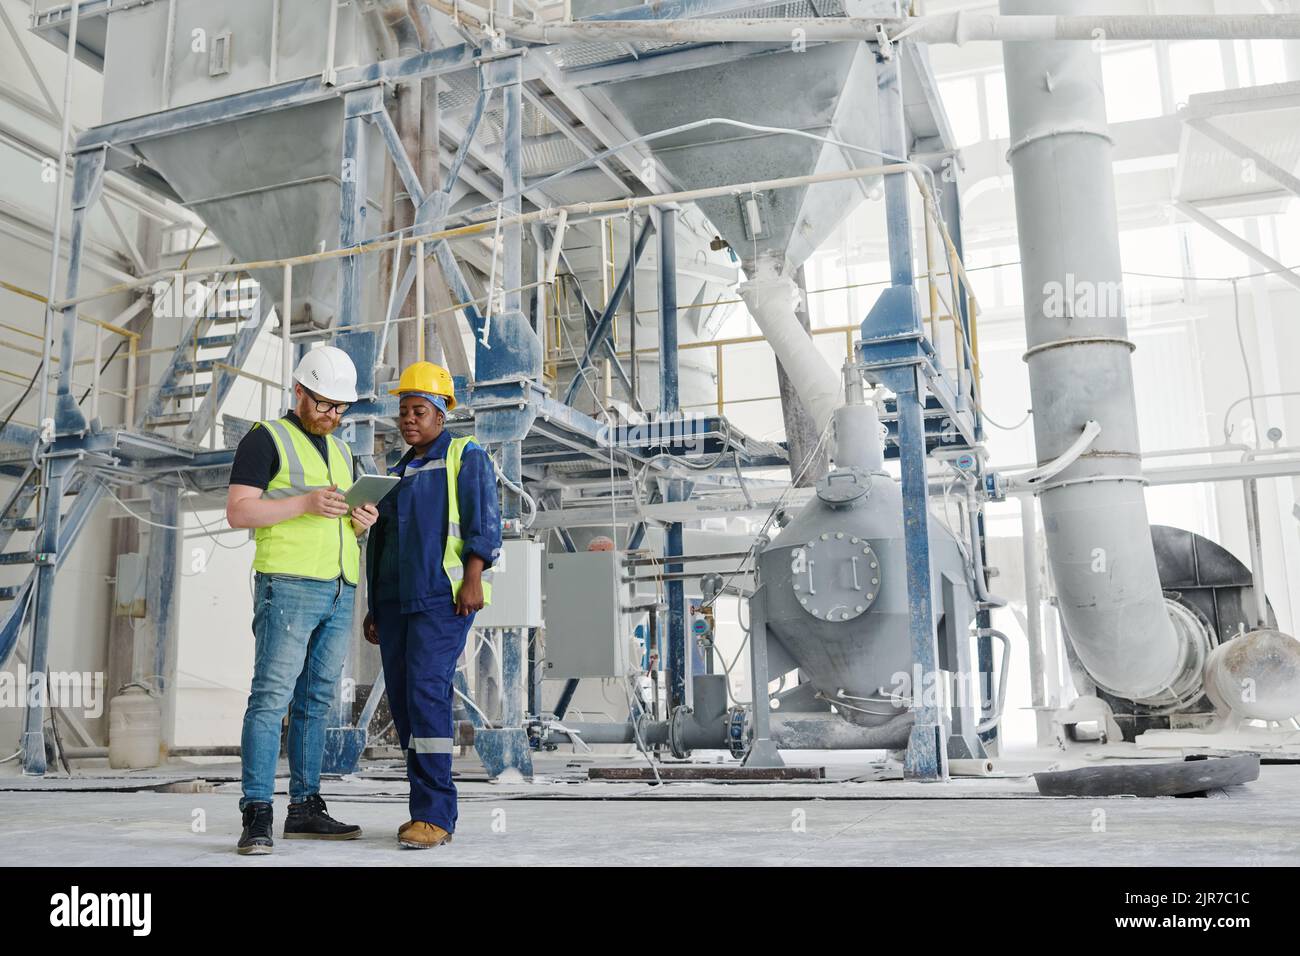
point(204, 367)
point(19, 515)
point(201, 372)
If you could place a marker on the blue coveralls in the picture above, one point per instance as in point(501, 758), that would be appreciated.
point(420, 635)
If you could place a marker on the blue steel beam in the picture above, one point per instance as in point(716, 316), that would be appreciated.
point(57, 471)
point(895, 322)
point(372, 107)
point(507, 74)
point(596, 337)
point(670, 406)
point(360, 346)
point(88, 181)
point(18, 435)
point(162, 594)
point(462, 151)
point(343, 742)
point(671, 60)
point(507, 361)
point(601, 331)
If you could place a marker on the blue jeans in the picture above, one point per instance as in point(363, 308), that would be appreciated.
point(300, 631)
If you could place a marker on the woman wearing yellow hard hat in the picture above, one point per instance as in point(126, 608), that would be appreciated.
point(427, 564)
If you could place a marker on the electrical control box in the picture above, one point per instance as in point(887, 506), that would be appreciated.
point(516, 587)
point(586, 629)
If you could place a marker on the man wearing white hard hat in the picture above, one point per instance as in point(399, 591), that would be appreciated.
point(288, 482)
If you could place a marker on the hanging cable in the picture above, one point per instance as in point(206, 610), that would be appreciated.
point(1245, 361)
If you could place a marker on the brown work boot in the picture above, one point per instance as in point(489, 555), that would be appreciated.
point(405, 826)
point(421, 836)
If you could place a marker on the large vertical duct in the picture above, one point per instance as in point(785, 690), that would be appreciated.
point(1098, 539)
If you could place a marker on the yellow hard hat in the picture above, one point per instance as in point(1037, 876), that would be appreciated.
point(428, 378)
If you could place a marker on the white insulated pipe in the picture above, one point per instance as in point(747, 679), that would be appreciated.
point(957, 27)
point(1094, 512)
point(772, 300)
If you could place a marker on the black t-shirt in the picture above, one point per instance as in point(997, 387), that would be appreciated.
point(256, 458)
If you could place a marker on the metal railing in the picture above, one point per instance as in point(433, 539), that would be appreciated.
point(961, 291)
point(96, 361)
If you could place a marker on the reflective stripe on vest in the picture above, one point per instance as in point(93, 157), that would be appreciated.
point(309, 546)
point(451, 555)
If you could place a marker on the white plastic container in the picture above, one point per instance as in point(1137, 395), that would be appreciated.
point(134, 730)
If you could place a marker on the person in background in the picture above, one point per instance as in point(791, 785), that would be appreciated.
point(288, 482)
point(427, 563)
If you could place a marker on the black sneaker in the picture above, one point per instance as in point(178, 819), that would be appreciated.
point(256, 838)
point(309, 821)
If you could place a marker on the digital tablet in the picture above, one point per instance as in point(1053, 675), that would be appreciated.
point(369, 489)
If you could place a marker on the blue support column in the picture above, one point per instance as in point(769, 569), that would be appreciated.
point(508, 73)
point(514, 678)
point(669, 406)
point(950, 206)
point(508, 356)
point(161, 596)
point(512, 467)
point(927, 749)
point(344, 743)
point(896, 322)
point(88, 181)
point(360, 107)
point(56, 474)
point(666, 223)
point(762, 751)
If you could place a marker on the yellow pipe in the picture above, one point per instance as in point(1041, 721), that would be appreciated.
point(24, 292)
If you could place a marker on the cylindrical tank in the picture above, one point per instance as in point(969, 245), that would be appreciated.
point(1256, 676)
point(134, 729)
point(837, 597)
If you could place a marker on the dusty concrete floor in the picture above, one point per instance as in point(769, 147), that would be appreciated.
point(95, 819)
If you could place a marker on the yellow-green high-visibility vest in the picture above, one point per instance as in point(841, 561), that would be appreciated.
point(309, 546)
point(455, 547)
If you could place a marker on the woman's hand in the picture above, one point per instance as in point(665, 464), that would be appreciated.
point(369, 630)
point(470, 598)
point(363, 518)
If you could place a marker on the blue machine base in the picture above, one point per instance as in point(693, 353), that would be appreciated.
point(343, 747)
point(501, 750)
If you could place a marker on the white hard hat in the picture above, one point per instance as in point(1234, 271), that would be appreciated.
point(329, 373)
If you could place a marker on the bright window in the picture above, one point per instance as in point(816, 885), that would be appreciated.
point(1195, 66)
point(961, 100)
point(1267, 62)
point(995, 98)
point(1132, 82)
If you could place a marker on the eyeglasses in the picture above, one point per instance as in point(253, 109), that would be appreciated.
point(323, 406)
